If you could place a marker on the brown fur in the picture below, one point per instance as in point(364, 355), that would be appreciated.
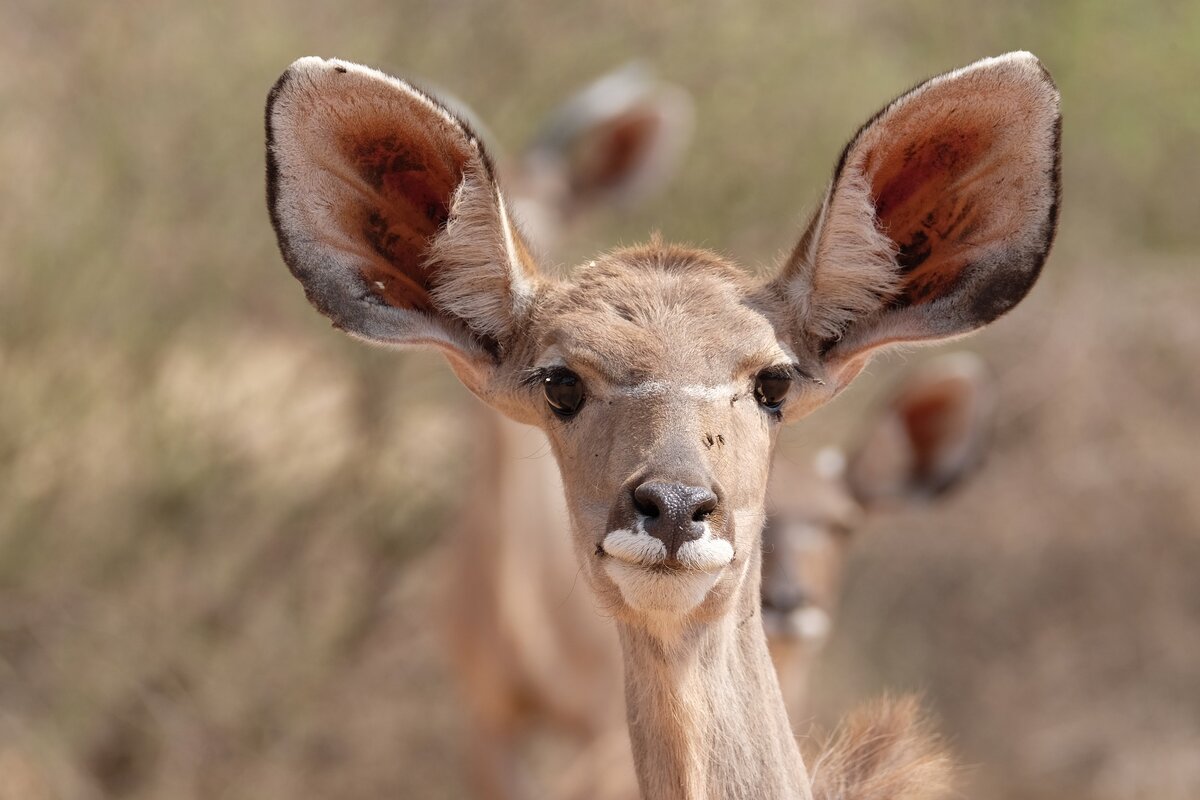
point(883, 751)
point(668, 343)
point(529, 648)
point(533, 652)
point(927, 437)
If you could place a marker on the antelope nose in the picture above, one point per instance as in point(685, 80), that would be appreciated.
point(674, 513)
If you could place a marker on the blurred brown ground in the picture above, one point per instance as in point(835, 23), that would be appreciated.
point(218, 518)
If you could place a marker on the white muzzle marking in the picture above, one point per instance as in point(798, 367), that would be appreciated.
point(633, 554)
point(635, 547)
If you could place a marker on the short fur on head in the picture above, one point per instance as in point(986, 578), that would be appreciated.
point(938, 219)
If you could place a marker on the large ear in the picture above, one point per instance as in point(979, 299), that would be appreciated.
point(939, 217)
point(615, 141)
point(931, 433)
point(387, 211)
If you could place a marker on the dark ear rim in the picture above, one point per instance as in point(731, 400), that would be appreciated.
point(339, 294)
point(429, 97)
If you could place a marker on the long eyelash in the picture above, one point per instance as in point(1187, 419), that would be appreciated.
point(804, 375)
point(789, 372)
point(534, 376)
point(783, 372)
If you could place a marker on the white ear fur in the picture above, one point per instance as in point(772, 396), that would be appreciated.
point(491, 286)
point(844, 233)
point(387, 211)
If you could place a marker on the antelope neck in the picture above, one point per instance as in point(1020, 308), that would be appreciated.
point(706, 716)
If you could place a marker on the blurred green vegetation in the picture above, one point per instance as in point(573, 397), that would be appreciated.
point(207, 498)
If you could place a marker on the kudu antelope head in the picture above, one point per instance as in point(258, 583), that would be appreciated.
point(660, 373)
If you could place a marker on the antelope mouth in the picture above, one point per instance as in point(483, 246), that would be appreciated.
point(652, 580)
point(636, 548)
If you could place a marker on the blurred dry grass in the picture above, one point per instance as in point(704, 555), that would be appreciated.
point(215, 514)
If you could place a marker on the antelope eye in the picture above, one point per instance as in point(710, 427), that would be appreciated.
point(770, 389)
point(564, 392)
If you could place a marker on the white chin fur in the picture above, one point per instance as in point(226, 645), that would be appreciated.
point(634, 553)
point(677, 591)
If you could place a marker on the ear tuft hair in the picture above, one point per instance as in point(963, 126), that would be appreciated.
point(868, 275)
point(485, 290)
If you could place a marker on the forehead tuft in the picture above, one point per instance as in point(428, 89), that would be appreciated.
point(644, 282)
point(673, 259)
point(657, 307)
point(658, 260)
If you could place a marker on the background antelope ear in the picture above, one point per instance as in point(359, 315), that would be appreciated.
point(615, 142)
point(387, 211)
point(931, 433)
point(940, 215)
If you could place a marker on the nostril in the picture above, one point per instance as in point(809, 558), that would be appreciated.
point(645, 509)
point(673, 513)
point(646, 501)
point(705, 509)
point(676, 504)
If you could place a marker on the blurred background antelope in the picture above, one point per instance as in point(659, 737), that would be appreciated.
point(218, 529)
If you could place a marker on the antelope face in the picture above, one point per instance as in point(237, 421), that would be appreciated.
point(661, 374)
point(662, 383)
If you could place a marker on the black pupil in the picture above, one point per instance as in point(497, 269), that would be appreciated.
point(770, 390)
point(564, 392)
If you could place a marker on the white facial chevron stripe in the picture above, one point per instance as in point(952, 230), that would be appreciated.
point(695, 391)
